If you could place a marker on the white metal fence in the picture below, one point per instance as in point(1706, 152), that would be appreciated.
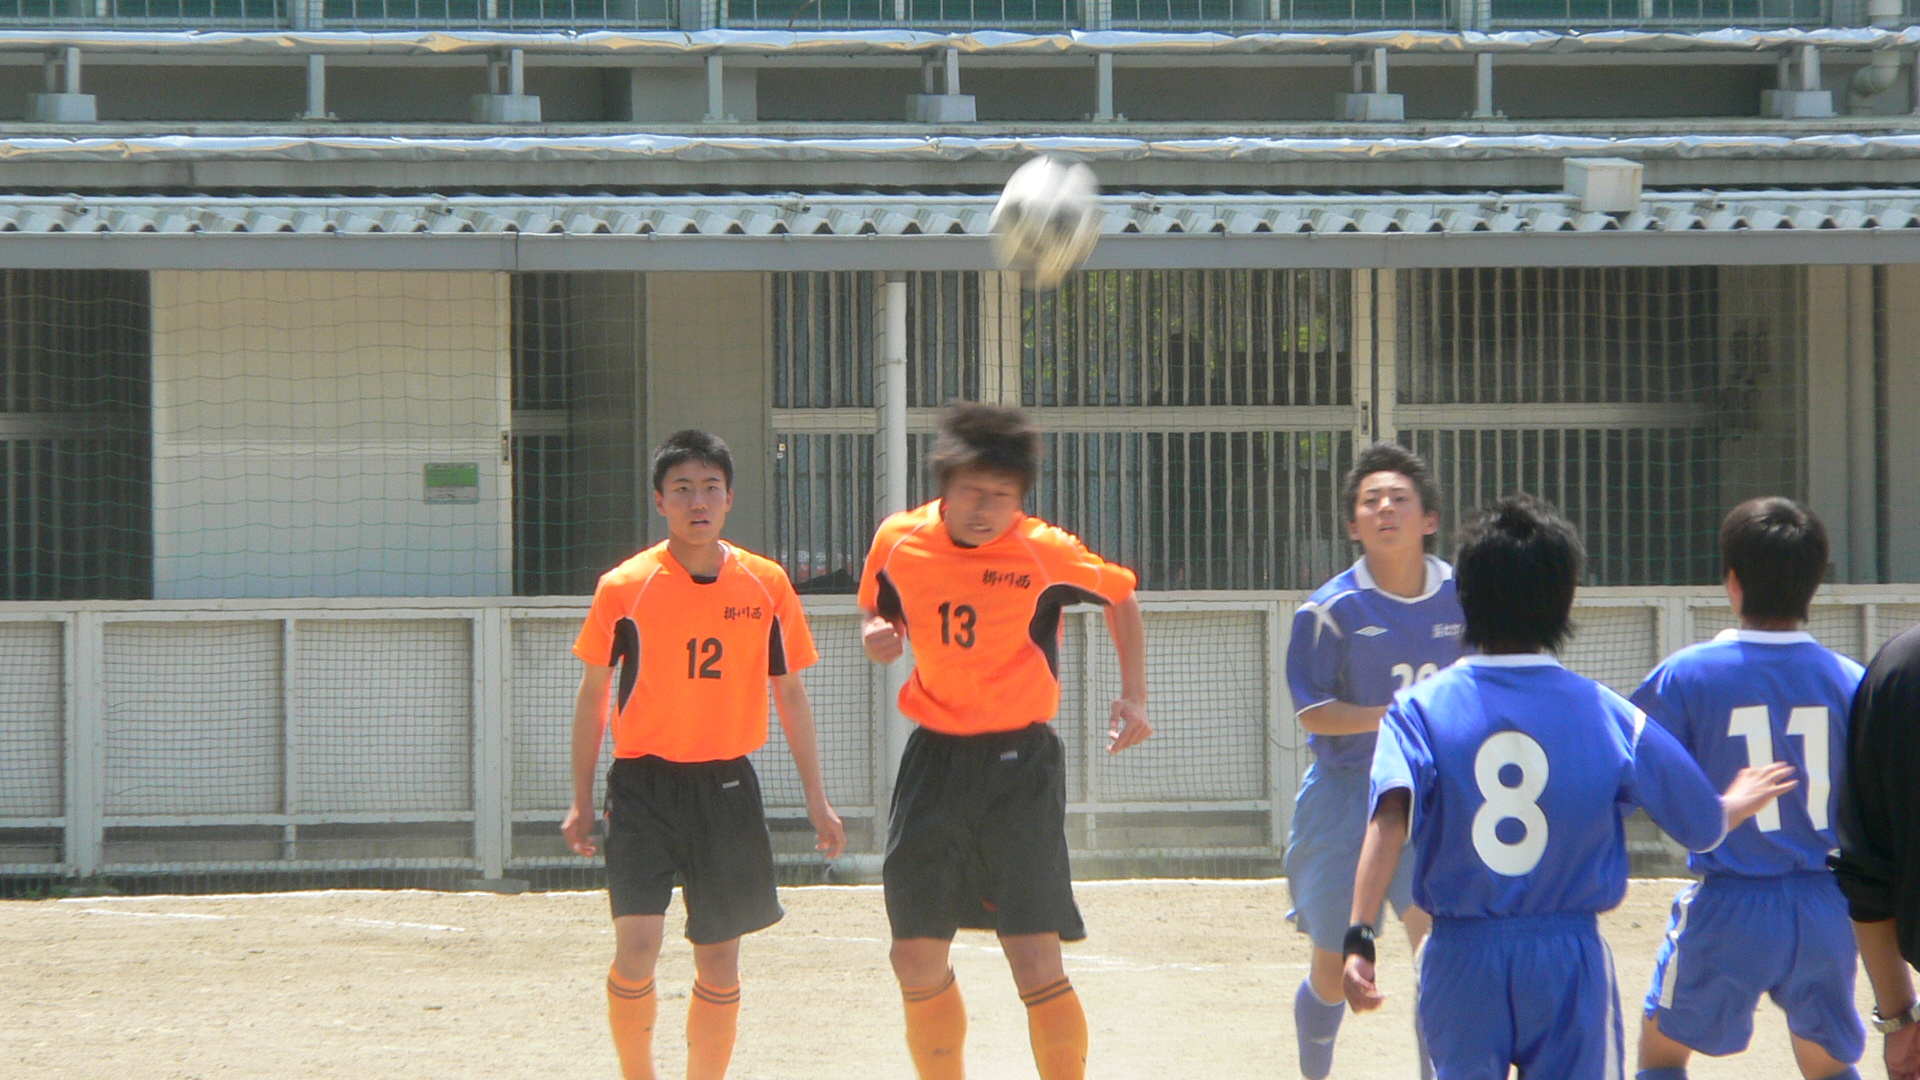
point(270, 737)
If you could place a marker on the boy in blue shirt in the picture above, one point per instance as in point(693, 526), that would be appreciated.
point(1516, 776)
point(1767, 916)
point(1383, 624)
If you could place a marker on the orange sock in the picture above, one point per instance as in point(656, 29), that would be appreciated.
point(630, 1012)
point(937, 1030)
point(1058, 1027)
point(713, 1020)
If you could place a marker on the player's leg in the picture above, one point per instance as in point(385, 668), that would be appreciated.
point(639, 886)
point(925, 888)
point(1022, 839)
point(1418, 924)
point(730, 892)
point(1329, 825)
point(1817, 993)
point(1726, 943)
point(713, 1011)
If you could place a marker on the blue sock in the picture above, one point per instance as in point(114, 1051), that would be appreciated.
point(1662, 1074)
point(1316, 1022)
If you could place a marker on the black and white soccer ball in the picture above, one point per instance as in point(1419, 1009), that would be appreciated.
point(1047, 219)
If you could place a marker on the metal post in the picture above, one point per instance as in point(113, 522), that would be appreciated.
point(952, 71)
point(1103, 86)
point(316, 87)
point(493, 77)
point(50, 68)
point(73, 69)
point(1809, 67)
point(893, 469)
point(1483, 84)
point(716, 89)
point(1862, 461)
point(1379, 71)
point(1783, 73)
point(517, 72)
point(1914, 91)
point(1359, 76)
point(928, 83)
point(85, 832)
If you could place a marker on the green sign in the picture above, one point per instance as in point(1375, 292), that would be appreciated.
point(453, 482)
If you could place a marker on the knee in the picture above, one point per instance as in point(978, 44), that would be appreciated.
point(917, 965)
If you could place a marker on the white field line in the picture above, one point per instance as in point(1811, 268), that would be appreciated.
point(153, 914)
point(387, 924)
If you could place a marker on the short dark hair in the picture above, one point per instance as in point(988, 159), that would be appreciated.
point(1391, 457)
point(691, 444)
point(1516, 570)
point(1778, 550)
point(987, 438)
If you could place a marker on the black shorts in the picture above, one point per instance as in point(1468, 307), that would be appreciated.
point(978, 837)
point(702, 820)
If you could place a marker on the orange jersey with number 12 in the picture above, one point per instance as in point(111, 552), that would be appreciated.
point(694, 657)
point(984, 621)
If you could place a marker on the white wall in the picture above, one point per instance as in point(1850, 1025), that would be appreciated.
point(293, 414)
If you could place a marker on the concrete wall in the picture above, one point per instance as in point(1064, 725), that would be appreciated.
point(1902, 389)
point(293, 415)
point(707, 366)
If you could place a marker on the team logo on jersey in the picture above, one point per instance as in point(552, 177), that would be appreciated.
point(732, 613)
point(1008, 578)
point(1371, 631)
point(1448, 629)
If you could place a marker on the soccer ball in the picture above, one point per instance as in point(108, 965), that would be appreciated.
point(1047, 219)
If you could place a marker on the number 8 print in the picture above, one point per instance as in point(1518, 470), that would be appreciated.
point(1510, 802)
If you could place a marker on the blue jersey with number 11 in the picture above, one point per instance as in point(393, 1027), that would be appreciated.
point(1522, 775)
point(1749, 698)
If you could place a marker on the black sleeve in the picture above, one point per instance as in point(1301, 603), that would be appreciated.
point(1878, 827)
point(776, 650)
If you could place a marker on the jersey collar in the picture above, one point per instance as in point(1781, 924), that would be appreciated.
point(1766, 637)
point(726, 560)
point(1438, 573)
point(1525, 659)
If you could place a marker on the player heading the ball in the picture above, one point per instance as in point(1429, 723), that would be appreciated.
point(1766, 916)
point(1385, 623)
point(696, 628)
point(1516, 777)
point(977, 834)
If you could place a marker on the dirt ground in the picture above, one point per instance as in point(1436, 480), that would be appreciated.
point(1180, 978)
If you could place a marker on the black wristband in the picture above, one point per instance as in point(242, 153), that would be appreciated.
point(1359, 942)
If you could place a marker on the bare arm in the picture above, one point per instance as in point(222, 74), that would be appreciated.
point(1127, 723)
point(796, 719)
point(1893, 993)
point(1379, 859)
point(1340, 718)
point(589, 730)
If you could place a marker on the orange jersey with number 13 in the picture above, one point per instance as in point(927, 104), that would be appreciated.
point(984, 621)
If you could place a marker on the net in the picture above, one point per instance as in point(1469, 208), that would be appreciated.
point(295, 560)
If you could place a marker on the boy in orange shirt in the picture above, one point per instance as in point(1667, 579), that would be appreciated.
point(977, 834)
point(697, 628)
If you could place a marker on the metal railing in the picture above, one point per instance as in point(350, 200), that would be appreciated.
point(289, 737)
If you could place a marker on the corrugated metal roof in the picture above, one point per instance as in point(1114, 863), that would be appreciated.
point(799, 214)
point(978, 42)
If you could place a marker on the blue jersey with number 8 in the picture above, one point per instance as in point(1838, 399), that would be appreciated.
point(1749, 698)
point(1522, 775)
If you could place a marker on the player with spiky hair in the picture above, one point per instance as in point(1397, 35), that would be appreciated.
point(977, 833)
point(1515, 777)
point(1766, 916)
point(1374, 629)
point(697, 629)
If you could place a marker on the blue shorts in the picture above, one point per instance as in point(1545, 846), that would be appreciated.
point(1329, 825)
point(1732, 939)
point(1533, 991)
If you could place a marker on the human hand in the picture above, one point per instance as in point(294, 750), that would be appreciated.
point(578, 829)
point(1127, 725)
point(829, 834)
point(1903, 1054)
point(882, 640)
point(1357, 980)
point(1753, 789)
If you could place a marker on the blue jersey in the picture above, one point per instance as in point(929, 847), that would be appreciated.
point(1522, 775)
point(1354, 642)
point(1749, 698)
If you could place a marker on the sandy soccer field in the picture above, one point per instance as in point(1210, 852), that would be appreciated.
point(1180, 978)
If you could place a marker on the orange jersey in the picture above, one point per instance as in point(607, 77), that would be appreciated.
point(984, 621)
point(694, 657)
